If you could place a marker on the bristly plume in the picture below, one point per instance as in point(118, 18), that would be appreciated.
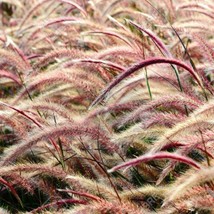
point(95, 133)
point(143, 64)
point(149, 157)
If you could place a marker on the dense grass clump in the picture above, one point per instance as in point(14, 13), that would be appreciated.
point(106, 106)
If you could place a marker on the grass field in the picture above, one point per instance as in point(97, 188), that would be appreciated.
point(106, 106)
